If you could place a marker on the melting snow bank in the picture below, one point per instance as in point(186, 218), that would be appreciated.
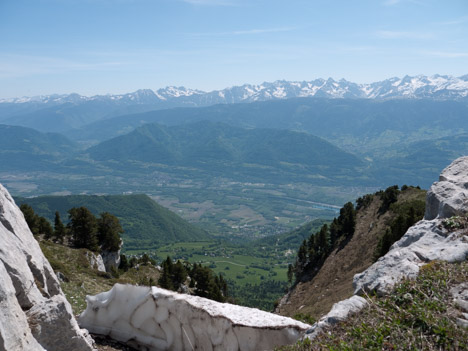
point(158, 319)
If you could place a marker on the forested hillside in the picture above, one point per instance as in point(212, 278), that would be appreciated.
point(327, 261)
point(146, 224)
point(223, 149)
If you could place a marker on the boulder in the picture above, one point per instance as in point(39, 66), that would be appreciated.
point(96, 261)
point(339, 312)
point(157, 319)
point(111, 258)
point(449, 196)
point(29, 284)
point(424, 242)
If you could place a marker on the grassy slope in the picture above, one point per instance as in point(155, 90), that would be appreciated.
point(333, 282)
point(83, 279)
point(146, 224)
point(418, 315)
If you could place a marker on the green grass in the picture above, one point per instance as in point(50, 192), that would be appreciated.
point(228, 260)
point(418, 315)
point(82, 279)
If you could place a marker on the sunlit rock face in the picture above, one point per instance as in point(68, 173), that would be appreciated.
point(158, 319)
point(34, 313)
point(427, 240)
point(449, 196)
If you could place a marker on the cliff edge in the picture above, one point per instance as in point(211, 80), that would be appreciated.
point(35, 314)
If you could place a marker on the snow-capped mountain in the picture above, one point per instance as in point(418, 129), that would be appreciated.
point(436, 87)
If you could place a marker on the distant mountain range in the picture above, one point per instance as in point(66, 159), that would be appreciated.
point(61, 113)
point(436, 86)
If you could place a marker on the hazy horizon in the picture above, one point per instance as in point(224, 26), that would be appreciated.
point(97, 47)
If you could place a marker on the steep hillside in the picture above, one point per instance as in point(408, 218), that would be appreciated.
point(333, 281)
point(425, 313)
point(146, 224)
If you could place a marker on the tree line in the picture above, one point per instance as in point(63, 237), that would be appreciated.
point(202, 280)
point(313, 252)
point(83, 229)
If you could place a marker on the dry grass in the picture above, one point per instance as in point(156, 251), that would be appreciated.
point(83, 279)
point(418, 315)
point(333, 282)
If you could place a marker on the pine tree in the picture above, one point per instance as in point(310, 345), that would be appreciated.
point(165, 280)
point(290, 273)
point(45, 228)
point(59, 228)
point(179, 274)
point(322, 245)
point(83, 228)
point(31, 218)
point(109, 231)
point(348, 219)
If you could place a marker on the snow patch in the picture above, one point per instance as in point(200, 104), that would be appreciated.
point(160, 319)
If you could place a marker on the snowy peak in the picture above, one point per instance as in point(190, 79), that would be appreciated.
point(420, 87)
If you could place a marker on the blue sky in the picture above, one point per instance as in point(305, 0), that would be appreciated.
point(117, 46)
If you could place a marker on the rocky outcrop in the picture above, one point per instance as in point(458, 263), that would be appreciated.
point(460, 297)
point(339, 312)
point(158, 319)
point(428, 239)
point(449, 196)
point(34, 312)
point(96, 261)
point(111, 258)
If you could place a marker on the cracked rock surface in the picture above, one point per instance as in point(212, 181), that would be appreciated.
point(34, 313)
point(460, 297)
point(427, 240)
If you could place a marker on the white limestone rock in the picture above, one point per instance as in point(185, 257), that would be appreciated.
point(339, 312)
point(111, 258)
point(45, 319)
point(96, 261)
point(460, 297)
point(449, 196)
point(14, 328)
point(427, 240)
point(158, 319)
point(422, 243)
point(28, 282)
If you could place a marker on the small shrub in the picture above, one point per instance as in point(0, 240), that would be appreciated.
point(305, 317)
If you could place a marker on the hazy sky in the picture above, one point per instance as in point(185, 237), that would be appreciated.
point(116, 46)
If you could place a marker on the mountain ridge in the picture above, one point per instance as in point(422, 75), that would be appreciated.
point(419, 86)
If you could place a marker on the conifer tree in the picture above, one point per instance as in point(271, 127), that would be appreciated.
point(45, 228)
point(83, 228)
point(109, 231)
point(31, 218)
point(59, 228)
